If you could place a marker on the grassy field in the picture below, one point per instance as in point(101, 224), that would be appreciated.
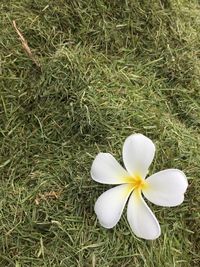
point(107, 69)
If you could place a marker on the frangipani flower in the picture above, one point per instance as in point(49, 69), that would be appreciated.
point(165, 188)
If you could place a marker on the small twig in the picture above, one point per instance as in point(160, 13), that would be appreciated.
point(47, 195)
point(25, 45)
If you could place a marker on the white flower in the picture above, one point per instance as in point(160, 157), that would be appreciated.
point(164, 188)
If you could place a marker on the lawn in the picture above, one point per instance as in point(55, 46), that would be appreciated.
point(100, 71)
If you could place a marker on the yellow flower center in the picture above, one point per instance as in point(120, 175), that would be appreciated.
point(136, 182)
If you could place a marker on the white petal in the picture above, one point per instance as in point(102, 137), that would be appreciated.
point(166, 188)
point(106, 170)
point(109, 206)
point(138, 153)
point(141, 219)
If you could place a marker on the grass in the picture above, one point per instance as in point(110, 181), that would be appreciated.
point(108, 69)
